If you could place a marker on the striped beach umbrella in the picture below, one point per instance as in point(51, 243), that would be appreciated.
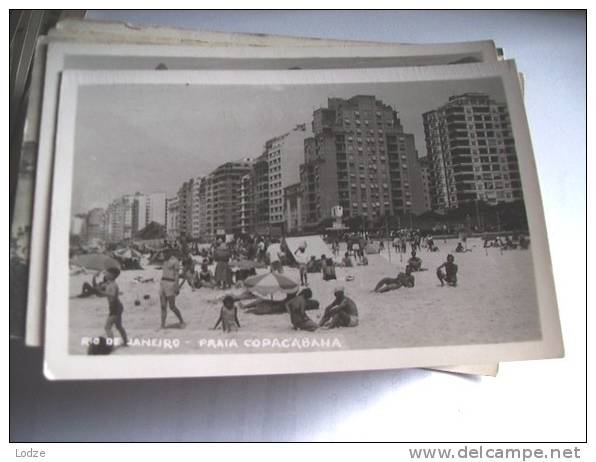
point(270, 283)
point(95, 261)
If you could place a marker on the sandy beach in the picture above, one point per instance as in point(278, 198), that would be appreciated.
point(495, 302)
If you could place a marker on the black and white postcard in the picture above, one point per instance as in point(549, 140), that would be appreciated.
point(264, 222)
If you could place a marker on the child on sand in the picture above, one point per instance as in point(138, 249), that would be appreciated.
point(111, 291)
point(300, 251)
point(228, 316)
point(450, 274)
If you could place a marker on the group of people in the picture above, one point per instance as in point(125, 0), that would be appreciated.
point(179, 268)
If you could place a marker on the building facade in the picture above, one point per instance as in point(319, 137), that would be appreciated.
point(293, 208)
point(97, 225)
point(185, 200)
point(283, 154)
point(471, 152)
point(172, 217)
point(424, 174)
point(120, 218)
point(359, 158)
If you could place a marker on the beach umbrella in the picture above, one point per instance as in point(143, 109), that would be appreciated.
point(270, 283)
point(95, 261)
point(243, 264)
point(127, 253)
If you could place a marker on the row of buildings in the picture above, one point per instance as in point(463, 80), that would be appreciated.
point(123, 218)
point(356, 154)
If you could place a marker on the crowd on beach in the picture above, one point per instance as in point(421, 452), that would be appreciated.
point(191, 264)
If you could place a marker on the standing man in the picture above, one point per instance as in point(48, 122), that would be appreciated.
point(169, 289)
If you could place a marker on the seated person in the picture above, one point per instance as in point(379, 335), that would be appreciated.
point(415, 262)
point(450, 274)
point(313, 266)
point(342, 312)
point(204, 278)
point(347, 261)
point(329, 270)
point(94, 288)
point(402, 280)
point(459, 248)
point(296, 308)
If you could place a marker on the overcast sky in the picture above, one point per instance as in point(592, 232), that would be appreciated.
point(151, 138)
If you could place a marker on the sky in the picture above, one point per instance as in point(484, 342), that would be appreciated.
point(151, 138)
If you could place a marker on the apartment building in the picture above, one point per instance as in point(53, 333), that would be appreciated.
point(359, 158)
point(471, 152)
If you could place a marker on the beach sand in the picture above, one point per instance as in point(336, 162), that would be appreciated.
point(495, 302)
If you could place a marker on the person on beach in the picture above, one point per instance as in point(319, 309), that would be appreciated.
point(188, 271)
point(92, 289)
point(363, 261)
point(169, 289)
point(323, 265)
point(228, 316)
point(329, 270)
point(447, 272)
point(342, 312)
point(297, 307)
point(347, 261)
point(415, 262)
point(274, 257)
point(300, 251)
point(313, 266)
point(115, 308)
point(204, 278)
point(223, 272)
point(402, 280)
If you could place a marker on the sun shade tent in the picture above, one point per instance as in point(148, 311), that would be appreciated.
point(95, 261)
point(315, 247)
point(270, 283)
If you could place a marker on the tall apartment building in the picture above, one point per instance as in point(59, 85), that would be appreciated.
point(283, 154)
point(148, 208)
point(471, 152)
point(424, 174)
point(219, 199)
point(359, 158)
point(97, 225)
point(195, 218)
point(246, 211)
point(293, 208)
point(260, 184)
point(185, 208)
point(172, 217)
point(120, 218)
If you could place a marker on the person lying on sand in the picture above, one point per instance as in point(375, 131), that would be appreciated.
point(228, 316)
point(92, 289)
point(342, 312)
point(402, 280)
point(461, 249)
point(450, 274)
point(297, 307)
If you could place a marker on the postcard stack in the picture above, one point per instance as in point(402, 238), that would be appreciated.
point(196, 203)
